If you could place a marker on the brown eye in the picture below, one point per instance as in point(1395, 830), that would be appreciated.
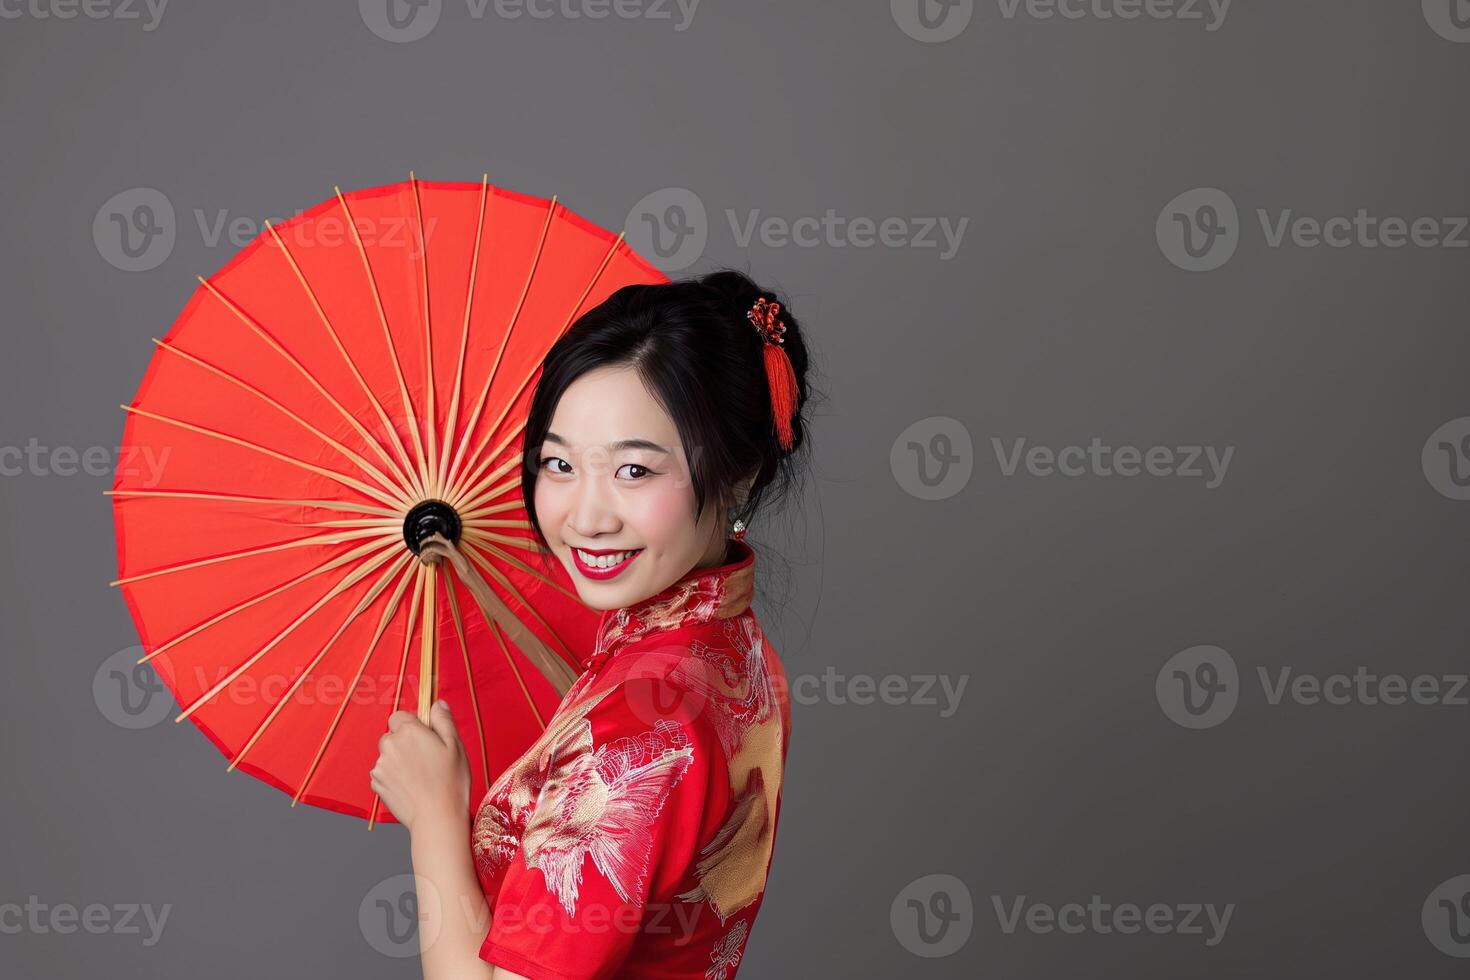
point(554, 459)
point(635, 466)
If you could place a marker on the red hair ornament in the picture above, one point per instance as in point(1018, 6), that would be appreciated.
point(764, 315)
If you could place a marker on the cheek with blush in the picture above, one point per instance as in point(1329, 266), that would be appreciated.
point(662, 517)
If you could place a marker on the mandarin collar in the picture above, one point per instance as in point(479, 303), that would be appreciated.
point(702, 595)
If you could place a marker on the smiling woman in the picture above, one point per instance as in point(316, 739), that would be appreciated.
point(635, 836)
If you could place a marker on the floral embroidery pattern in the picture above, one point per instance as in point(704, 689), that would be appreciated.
point(576, 800)
point(726, 954)
point(602, 804)
point(508, 804)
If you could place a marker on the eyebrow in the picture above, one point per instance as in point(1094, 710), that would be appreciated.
point(621, 444)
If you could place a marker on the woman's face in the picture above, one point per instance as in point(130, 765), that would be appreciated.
point(612, 477)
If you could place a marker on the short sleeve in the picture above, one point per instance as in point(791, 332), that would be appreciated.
point(613, 831)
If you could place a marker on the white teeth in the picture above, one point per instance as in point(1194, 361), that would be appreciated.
point(602, 561)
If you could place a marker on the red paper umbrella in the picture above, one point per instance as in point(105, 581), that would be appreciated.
point(354, 380)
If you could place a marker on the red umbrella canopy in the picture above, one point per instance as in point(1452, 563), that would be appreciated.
point(353, 380)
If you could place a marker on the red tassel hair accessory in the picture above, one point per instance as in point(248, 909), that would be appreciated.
point(764, 315)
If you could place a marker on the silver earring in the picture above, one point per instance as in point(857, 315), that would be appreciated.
point(738, 530)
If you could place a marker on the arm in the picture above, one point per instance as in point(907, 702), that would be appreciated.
point(453, 914)
point(423, 777)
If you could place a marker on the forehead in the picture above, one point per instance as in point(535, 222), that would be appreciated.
point(610, 404)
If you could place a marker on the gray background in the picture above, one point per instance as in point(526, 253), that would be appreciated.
point(1061, 318)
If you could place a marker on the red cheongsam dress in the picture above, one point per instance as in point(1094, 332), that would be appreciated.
point(633, 839)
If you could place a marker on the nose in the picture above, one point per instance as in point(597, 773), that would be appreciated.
point(593, 510)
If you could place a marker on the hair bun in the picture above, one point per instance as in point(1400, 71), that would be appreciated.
point(783, 357)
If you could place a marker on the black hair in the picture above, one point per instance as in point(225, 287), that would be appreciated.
point(702, 359)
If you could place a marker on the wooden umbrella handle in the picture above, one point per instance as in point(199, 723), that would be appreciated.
point(551, 666)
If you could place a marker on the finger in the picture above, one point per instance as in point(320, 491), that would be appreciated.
point(400, 718)
point(441, 719)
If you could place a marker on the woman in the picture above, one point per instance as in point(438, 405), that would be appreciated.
point(634, 838)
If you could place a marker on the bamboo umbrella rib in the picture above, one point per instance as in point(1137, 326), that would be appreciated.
point(341, 478)
point(479, 522)
point(483, 493)
point(408, 409)
point(345, 583)
point(315, 539)
point(504, 342)
point(505, 649)
point(271, 501)
point(464, 333)
point(507, 557)
point(347, 621)
point(506, 584)
point(431, 417)
point(464, 649)
point(474, 496)
point(290, 358)
point(367, 467)
point(532, 374)
point(525, 544)
point(389, 611)
point(405, 470)
point(483, 509)
point(327, 566)
point(377, 522)
point(428, 650)
point(413, 613)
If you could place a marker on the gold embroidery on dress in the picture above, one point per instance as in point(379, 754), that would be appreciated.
point(577, 800)
point(602, 804)
point(726, 954)
point(732, 867)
